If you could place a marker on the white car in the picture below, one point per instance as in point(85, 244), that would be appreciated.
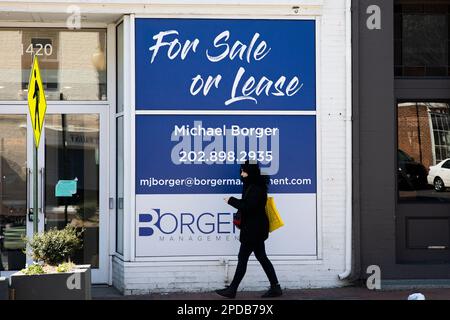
point(439, 175)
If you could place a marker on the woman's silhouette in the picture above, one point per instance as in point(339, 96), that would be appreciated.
point(254, 229)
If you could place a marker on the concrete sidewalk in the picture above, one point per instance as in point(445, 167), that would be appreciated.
point(347, 293)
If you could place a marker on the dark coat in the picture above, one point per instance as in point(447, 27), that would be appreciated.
point(254, 221)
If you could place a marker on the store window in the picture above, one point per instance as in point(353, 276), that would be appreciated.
point(72, 63)
point(119, 54)
point(423, 151)
point(119, 141)
point(422, 37)
point(119, 186)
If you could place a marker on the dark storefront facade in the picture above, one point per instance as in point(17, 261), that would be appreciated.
point(401, 135)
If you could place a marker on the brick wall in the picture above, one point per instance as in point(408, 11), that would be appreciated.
point(414, 133)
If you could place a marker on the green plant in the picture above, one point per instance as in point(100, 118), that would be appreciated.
point(55, 246)
point(33, 270)
point(65, 267)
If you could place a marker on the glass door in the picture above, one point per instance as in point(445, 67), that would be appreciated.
point(72, 151)
point(15, 193)
point(74, 172)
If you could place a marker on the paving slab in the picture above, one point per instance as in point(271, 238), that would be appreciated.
point(346, 293)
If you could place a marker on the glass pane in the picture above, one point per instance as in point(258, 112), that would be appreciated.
point(72, 154)
point(422, 35)
point(423, 148)
point(119, 187)
point(72, 63)
point(13, 190)
point(425, 40)
point(120, 68)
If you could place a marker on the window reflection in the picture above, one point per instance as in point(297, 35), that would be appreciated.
point(72, 63)
point(423, 151)
point(13, 192)
point(72, 154)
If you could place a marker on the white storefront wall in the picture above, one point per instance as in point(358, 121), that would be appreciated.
point(133, 273)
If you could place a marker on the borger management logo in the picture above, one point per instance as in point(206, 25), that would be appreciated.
point(154, 222)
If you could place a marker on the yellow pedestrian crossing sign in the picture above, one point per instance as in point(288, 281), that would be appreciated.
point(36, 101)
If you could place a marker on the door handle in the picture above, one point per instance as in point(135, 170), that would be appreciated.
point(29, 204)
point(30, 214)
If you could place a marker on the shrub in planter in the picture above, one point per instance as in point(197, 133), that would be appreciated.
point(53, 276)
point(33, 269)
point(65, 267)
point(55, 246)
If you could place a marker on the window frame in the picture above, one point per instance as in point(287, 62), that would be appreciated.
point(119, 115)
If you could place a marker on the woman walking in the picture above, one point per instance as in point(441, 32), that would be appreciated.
point(254, 230)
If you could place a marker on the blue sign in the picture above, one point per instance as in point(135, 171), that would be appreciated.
point(206, 64)
point(201, 154)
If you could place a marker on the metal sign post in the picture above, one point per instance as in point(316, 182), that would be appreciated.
point(35, 190)
point(37, 106)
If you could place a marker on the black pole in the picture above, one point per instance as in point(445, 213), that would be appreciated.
point(64, 127)
point(35, 188)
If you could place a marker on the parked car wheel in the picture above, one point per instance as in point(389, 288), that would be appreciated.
point(439, 185)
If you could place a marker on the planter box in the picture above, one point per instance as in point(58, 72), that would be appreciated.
point(4, 289)
point(75, 285)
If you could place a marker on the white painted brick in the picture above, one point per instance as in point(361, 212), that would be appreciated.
point(143, 278)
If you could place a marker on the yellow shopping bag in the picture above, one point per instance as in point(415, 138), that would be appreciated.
point(275, 220)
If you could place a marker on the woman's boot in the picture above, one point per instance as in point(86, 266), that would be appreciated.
point(228, 292)
point(273, 292)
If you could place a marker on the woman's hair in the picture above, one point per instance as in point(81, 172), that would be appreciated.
point(254, 174)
